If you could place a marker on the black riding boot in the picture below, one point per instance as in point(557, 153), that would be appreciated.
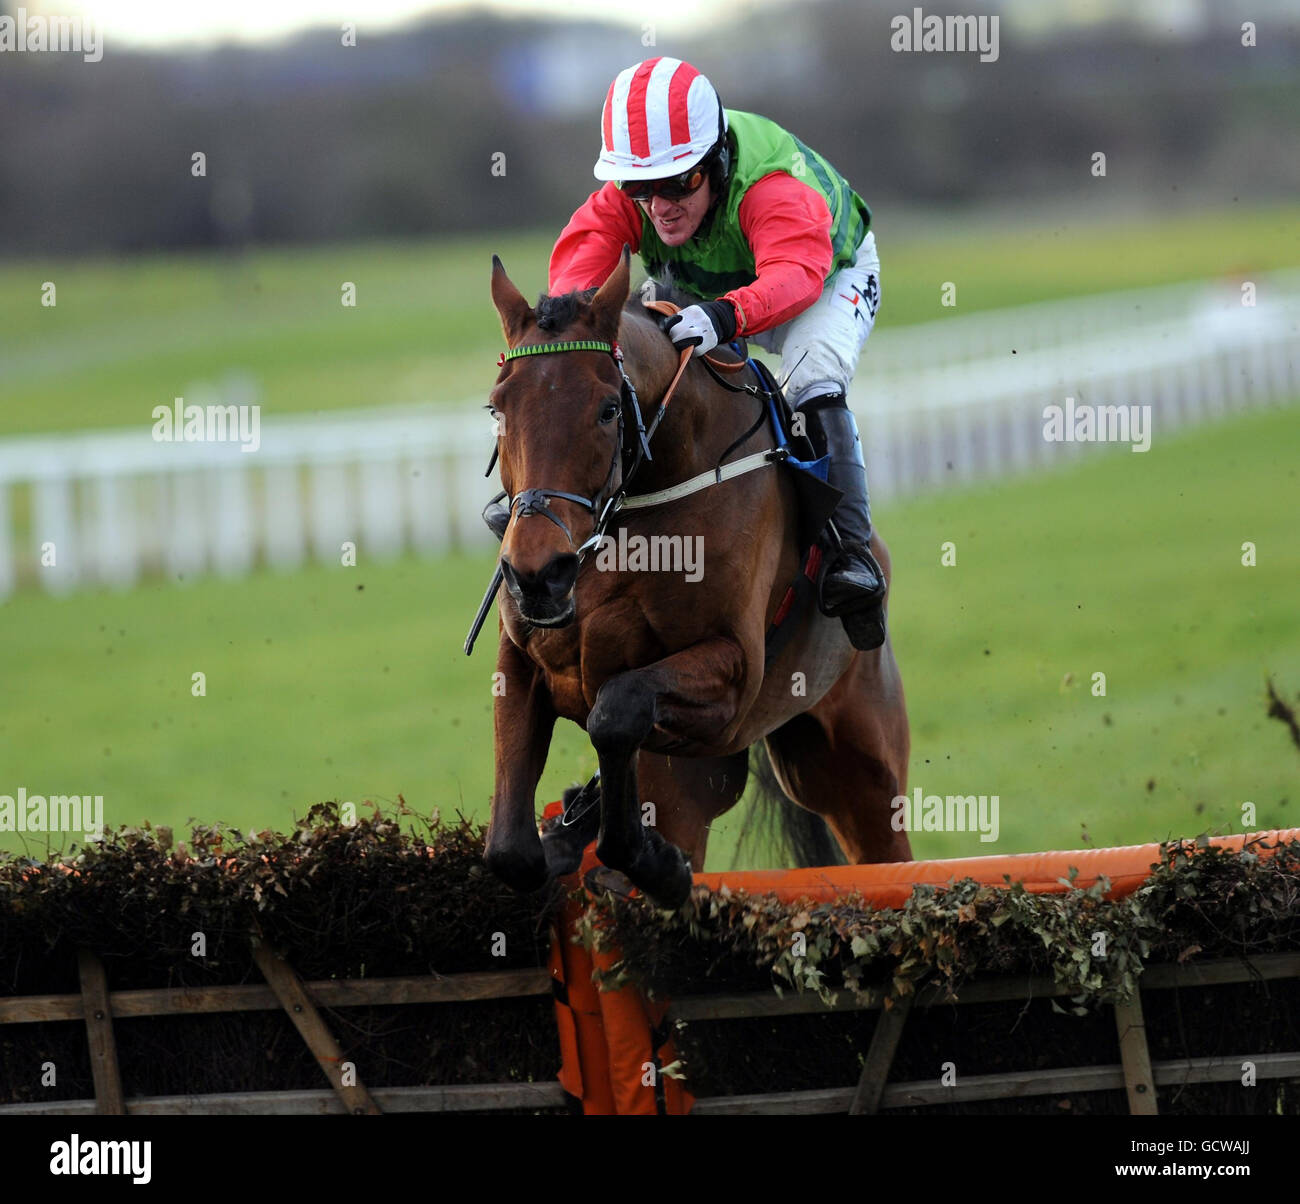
point(853, 588)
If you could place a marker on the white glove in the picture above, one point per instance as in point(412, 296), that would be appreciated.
point(693, 324)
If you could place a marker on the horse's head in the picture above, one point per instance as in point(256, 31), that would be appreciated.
point(560, 421)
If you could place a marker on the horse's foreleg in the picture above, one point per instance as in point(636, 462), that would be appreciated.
point(693, 695)
point(523, 717)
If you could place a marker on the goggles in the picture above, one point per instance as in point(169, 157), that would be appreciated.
point(674, 188)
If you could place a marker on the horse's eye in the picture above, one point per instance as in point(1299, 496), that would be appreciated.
point(609, 412)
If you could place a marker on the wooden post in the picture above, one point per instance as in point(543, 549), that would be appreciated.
point(1138, 1079)
point(307, 1020)
point(99, 1034)
point(880, 1057)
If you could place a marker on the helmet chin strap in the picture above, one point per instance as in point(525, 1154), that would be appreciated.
point(719, 173)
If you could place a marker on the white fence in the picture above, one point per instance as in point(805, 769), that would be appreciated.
point(949, 402)
point(943, 402)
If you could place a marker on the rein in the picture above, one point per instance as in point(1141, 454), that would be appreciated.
point(535, 501)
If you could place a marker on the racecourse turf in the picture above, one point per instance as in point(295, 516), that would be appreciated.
point(350, 683)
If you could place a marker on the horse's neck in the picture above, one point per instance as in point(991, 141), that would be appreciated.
point(702, 420)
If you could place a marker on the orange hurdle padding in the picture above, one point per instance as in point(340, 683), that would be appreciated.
point(584, 1065)
point(606, 1038)
point(890, 884)
point(608, 1046)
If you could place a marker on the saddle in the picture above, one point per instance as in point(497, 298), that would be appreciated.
point(815, 497)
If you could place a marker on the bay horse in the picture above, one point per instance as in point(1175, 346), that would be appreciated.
point(665, 674)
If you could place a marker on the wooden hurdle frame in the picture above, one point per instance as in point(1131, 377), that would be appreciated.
point(302, 1001)
point(608, 1038)
point(1135, 1073)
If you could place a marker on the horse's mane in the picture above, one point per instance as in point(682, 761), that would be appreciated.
point(554, 314)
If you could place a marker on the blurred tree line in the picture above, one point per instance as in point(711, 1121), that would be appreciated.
point(475, 123)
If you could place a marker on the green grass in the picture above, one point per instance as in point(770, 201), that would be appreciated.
point(316, 688)
point(126, 336)
point(350, 683)
point(1129, 565)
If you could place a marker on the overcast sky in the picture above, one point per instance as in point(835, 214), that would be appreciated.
point(155, 23)
point(169, 22)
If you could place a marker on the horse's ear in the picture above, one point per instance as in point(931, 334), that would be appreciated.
point(607, 304)
point(513, 309)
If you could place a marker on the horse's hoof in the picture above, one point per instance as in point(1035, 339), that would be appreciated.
point(672, 894)
point(674, 890)
point(600, 878)
point(562, 858)
point(565, 837)
point(524, 874)
point(662, 872)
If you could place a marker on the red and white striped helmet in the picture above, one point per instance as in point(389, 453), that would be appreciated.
point(661, 117)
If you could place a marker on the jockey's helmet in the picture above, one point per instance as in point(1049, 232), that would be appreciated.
point(662, 119)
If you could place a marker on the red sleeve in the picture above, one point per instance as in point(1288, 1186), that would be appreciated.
point(589, 246)
point(788, 227)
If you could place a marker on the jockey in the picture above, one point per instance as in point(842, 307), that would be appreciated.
point(758, 235)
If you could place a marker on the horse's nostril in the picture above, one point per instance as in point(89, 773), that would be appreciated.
point(510, 577)
point(553, 581)
point(560, 574)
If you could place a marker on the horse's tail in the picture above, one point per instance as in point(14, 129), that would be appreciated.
point(774, 826)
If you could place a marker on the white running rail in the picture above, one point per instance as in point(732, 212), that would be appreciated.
point(939, 403)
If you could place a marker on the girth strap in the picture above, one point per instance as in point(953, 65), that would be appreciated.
point(713, 476)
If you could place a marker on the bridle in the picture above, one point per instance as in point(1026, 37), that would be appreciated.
point(631, 453)
point(634, 451)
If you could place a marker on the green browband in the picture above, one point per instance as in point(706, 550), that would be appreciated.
point(543, 348)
